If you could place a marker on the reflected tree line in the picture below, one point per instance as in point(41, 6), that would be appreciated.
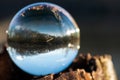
point(31, 42)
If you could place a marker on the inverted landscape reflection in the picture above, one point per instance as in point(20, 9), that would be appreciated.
point(42, 39)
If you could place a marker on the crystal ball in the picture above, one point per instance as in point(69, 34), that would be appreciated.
point(42, 39)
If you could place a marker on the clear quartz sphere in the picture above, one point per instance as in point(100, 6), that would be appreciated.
point(43, 39)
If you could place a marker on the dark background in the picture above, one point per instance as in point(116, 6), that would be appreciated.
point(99, 22)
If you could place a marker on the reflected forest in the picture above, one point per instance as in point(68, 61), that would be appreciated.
point(33, 42)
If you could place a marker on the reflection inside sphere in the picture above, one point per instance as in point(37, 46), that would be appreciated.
point(40, 34)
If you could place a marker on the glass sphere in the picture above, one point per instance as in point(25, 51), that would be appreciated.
point(42, 39)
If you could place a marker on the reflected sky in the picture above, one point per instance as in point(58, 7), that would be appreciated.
point(57, 61)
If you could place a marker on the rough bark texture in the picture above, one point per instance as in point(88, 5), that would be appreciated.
point(84, 67)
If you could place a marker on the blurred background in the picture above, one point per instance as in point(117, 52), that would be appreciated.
point(99, 22)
